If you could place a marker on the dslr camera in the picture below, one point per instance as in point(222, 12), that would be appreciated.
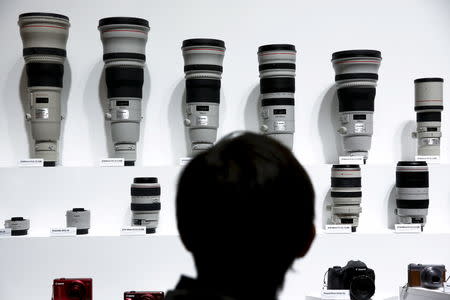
point(143, 295)
point(426, 276)
point(72, 289)
point(355, 277)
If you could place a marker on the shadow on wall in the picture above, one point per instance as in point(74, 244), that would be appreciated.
point(179, 135)
point(408, 143)
point(97, 106)
point(328, 123)
point(326, 210)
point(252, 108)
point(25, 101)
point(391, 206)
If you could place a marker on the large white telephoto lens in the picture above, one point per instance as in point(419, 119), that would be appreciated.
point(277, 88)
point(124, 41)
point(203, 60)
point(356, 80)
point(44, 37)
point(428, 105)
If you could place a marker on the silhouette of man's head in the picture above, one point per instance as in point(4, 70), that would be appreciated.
point(245, 211)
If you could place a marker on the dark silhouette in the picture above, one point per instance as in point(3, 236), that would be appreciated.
point(245, 211)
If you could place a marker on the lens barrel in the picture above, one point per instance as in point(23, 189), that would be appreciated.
point(44, 37)
point(412, 185)
point(277, 88)
point(18, 225)
point(79, 218)
point(124, 40)
point(346, 195)
point(145, 203)
point(203, 66)
point(428, 106)
point(356, 79)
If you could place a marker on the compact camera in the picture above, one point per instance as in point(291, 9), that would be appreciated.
point(72, 289)
point(143, 295)
point(355, 277)
point(426, 276)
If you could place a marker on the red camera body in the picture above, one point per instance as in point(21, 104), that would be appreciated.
point(143, 295)
point(72, 289)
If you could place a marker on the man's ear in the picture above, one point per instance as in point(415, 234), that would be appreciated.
point(308, 243)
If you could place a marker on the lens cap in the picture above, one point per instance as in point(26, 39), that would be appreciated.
point(145, 180)
point(362, 288)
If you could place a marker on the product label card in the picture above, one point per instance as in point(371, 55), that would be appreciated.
point(5, 232)
point(447, 287)
point(430, 159)
point(202, 121)
point(279, 125)
point(122, 114)
point(68, 231)
point(351, 160)
point(408, 228)
point(133, 230)
point(112, 162)
point(41, 113)
point(185, 160)
point(31, 162)
point(336, 294)
point(338, 229)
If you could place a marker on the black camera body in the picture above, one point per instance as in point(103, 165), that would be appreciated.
point(355, 277)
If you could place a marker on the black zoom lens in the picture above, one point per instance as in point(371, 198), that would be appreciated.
point(362, 288)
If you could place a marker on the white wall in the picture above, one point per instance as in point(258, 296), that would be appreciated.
point(413, 37)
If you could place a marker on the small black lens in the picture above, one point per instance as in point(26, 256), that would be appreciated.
point(362, 288)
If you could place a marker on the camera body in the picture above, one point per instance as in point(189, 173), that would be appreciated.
point(426, 276)
point(133, 295)
point(72, 289)
point(356, 277)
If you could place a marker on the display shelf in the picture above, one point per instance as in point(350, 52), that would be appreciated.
point(154, 262)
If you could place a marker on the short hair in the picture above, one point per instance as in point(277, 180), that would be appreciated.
point(245, 200)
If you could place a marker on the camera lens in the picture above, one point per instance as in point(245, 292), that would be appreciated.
point(356, 79)
point(18, 226)
point(79, 218)
point(428, 105)
point(432, 277)
point(145, 203)
point(362, 288)
point(277, 88)
point(346, 195)
point(203, 59)
point(412, 192)
point(44, 37)
point(124, 40)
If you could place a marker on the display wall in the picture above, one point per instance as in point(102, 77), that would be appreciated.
point(414, 42)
